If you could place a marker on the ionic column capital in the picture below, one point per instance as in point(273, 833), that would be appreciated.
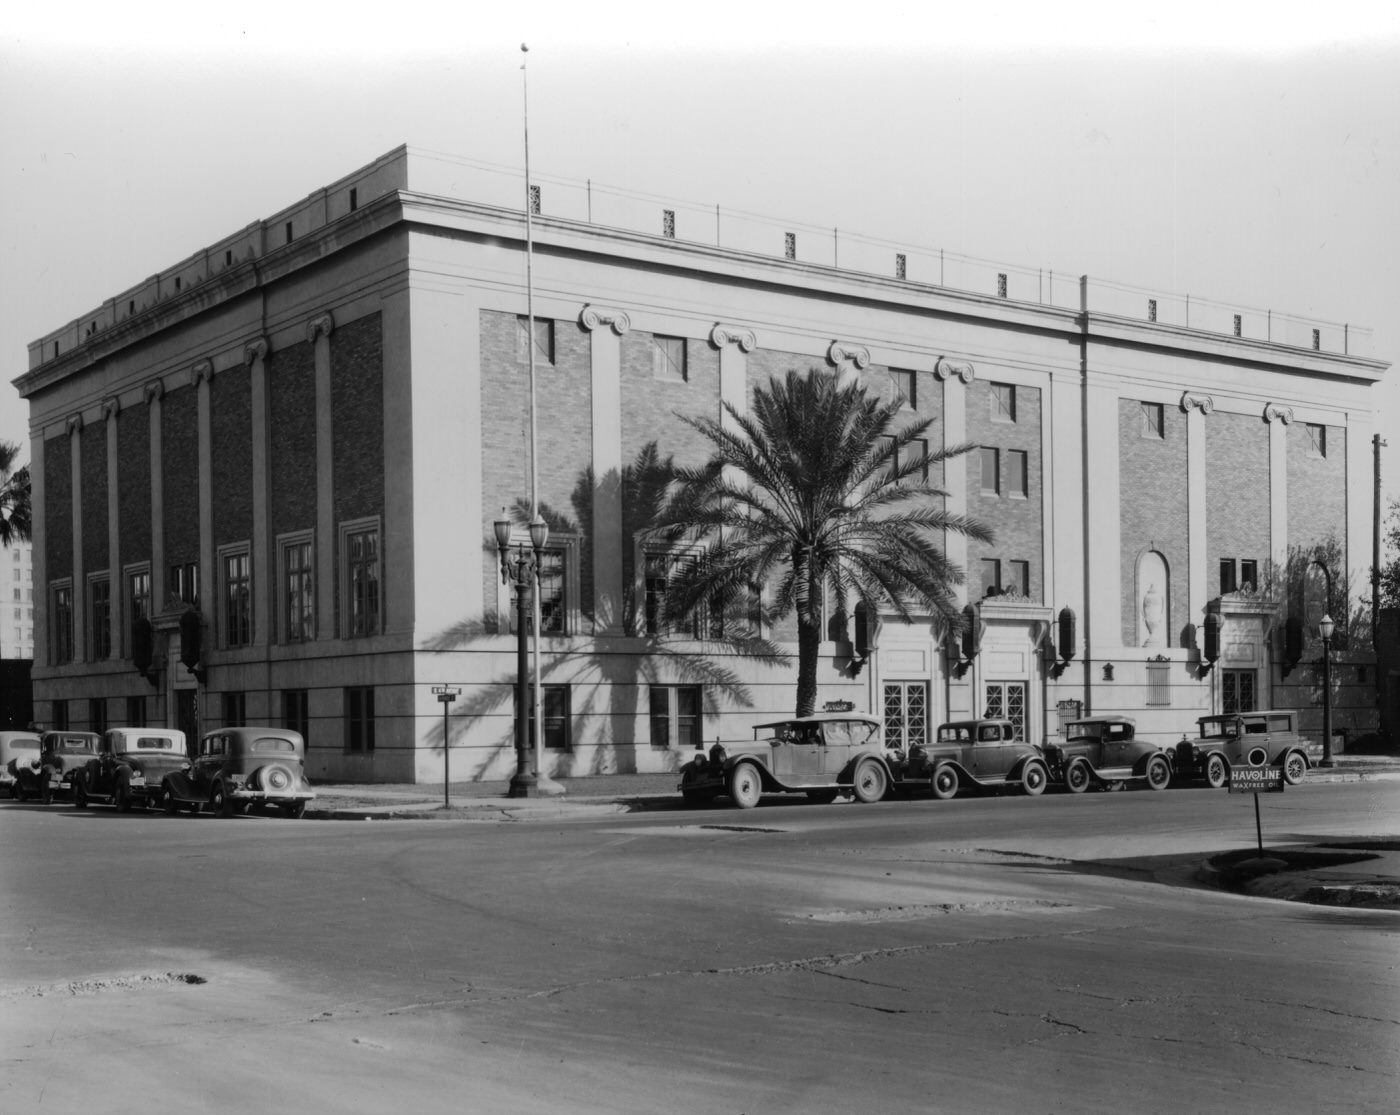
point(946, 368)
point(1204, 403)
point(594, 316)
point(721, 335)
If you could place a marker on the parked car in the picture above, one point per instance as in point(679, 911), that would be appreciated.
point(985, 754)
point(1103, 751)
point(130, 767)
point(1246, 739)
point(822, 755)
point(17, 749)
point(60, 755)
point(234, 768)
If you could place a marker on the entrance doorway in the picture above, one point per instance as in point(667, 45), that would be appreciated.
point(1006, 700)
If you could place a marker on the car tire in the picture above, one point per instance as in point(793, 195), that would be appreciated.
point(277, 778)
point(121, 796)
point(1078, 776)
point(168, 803)
point(745, 785)
point(1159, 773)
point(294, 809)
point(822, 797)
point(220, 804)
point(1295, 767)
point(1033, 778)
point(80, 798)
point(944, 783)
point(1217, 773)
point(870, 782)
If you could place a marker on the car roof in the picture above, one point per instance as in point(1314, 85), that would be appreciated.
point(820, 718)
point(1101, 720)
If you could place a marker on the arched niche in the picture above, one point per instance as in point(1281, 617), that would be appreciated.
point(1153, 599)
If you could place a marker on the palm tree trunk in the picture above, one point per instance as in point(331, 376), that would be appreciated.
point(809, 640)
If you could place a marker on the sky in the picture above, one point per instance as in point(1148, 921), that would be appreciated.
point(1242, 153)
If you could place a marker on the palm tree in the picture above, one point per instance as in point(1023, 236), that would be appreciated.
point(15, 517)
point(822, 489)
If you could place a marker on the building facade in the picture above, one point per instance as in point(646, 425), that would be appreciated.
point(265, 482)
point(17, 601)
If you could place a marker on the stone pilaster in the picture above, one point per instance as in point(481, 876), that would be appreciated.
point(606, 328)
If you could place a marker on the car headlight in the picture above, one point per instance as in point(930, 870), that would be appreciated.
point(718, 754)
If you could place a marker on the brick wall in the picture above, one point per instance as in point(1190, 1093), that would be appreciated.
point(94, 470)
point(1152, 513)
point(1237, 492)
point(1015, 522)
point(58, 509)
point(292, 444)
point(1316, 489)
point(231, 456)
point(357, 418)
point(134, 482)
point(179, 436)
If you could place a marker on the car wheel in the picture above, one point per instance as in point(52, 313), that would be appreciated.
point(168, 803)
point(871, 782)
point(276, 778)
point(46, 794)
point(1159, 773)
point(1295, 768)
point(822, 797)
point(294, 809)
point(1216, 771)
point(1078, 777)
point(945, 783)
point(121, 797)
point(220, 804)
point(80, 798)
point(745, 786)
point(1033, 777)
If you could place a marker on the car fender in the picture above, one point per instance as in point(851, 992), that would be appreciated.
point(965, 776)
point(847, 774)
point(766, 777)
point(178, 785)
point(1014, 774)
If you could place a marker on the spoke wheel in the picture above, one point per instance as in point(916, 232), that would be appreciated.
point(1216, 771)
point(871, 782)
point(945, 783)
point(1077, 777)
point(1033, 778)
point(1159, 773)
point(1295, 768)
point(745, 786)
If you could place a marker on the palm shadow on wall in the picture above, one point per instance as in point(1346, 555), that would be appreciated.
point(619, 678)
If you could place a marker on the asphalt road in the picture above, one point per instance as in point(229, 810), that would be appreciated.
point(988, 955)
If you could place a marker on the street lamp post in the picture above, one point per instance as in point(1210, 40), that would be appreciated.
point(1326, 627)
point(522, 572)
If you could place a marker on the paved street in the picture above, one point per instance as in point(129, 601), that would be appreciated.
point(988, 955)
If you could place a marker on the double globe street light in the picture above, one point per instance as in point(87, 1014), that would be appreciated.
point(1326, 627)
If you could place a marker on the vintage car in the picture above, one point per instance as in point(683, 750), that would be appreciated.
point(130, 767)
point(61, 754)
point(234, 768)
point(822, 755)
point(1246, 739)
point(17, 749)
point(985, 754)
point(1103, 751)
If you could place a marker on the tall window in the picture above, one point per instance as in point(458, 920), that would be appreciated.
point(60, 715)
point(296, 713)
point(669, 360)
point(1003, 402)
point(235, 709)
point(906, 386)
point(360, 549)
point(1017, 470)
point(659, 569)
point(238, 599)
point(1249, 574)
point(298, 599)
point(991, 577)
point(553, 600)
point(184, 582)
point(1237, 691)
point(1018, 578)
point(63, 623)
point(676, 716)
point(1237, 574)
point(1153, 423)
point(1159, 693)
point(359, 719)
point(1317, 439)
point(906, 713)
point(138, 593)
point(1006, 700)
point(544, 340)
point(991, 470)
point(136, 711)
point(100, 611)
point(556, 711)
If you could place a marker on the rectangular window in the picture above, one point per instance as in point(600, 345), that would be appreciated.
point(917, 450)
point(991, 471)
point(136, 712)
point(97, 714)
point(1317, 439)
point(298, 598)
point(100, 618)
point(906, 386)
point(296, 713)
point(1153, 421)
point(1003, 402)
point(184, 582)
point(660, 569)
point(906, 713)
point(359, 719)
point(235, 710)
point(1159, 693)
point(553, 599)
point(1019, 578)
point(669, 360)
point(60, 715)
point(676, 716)
point(360, 569)
point(63, 623)
point(1017, 472)
point(544, 340)
point(1249, 574)
point(238, 599)
point(1237, 691)
point(138, 593)
point(1228, 583)
point(991, 577)
point(556, 711)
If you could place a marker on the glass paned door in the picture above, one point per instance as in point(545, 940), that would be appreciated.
point(906, 713)
point(1006, 700)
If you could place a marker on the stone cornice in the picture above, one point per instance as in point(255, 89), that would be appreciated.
point(594, 316)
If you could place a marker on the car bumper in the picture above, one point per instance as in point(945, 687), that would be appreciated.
point(272, 796)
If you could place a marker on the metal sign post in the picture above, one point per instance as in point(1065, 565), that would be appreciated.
point(1256, 781)
point(446, 694)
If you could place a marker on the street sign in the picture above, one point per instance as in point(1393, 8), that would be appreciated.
point(1256, 780)
point(447, 693)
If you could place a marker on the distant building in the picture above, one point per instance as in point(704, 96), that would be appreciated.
point(17, 601)
point(286, 452)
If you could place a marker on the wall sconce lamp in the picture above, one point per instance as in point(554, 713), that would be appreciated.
point(191, 639)
point(969, 641)
point(1108, 671)
point(1058, 650)
point(143, 650)
point(1211, 651)
point(1292, 644)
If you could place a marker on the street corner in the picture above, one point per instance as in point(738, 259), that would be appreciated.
point(1361, 873)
